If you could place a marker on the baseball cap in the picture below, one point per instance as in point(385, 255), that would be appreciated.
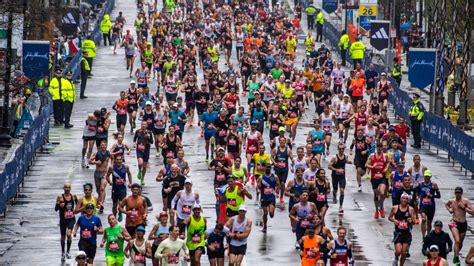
point(175, 105)
point(287, 81)
point(405, 195)
point(80, 253)
point(438, 223)
point(148, 103)
point(188, 181)
point(221, 149)
point(136, 185)
point(132, 81)
point(89, 206)
point(346, 95)
point(401, 164)
point(162, 214)
point(243, 208)
point(310, 228)
point(197, 206)
point(281, 129)
point(458, 190)
point(434, 247)
point(427, 173)
point(391, 128)
point(140, 228)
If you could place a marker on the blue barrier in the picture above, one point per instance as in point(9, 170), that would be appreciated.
point(435, 130)
point(15, 170)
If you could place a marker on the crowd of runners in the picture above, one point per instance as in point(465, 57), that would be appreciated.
point(248, 111)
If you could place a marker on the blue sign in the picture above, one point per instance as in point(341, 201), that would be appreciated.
point(421, 66)
point(365, 22)
point(35, 59)
point(329, 6)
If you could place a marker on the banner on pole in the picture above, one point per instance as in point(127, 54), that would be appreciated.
point(421, 66)
point(367, 13)
point(35, 59)
point(379, 34)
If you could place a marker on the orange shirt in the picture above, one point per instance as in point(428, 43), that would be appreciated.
point(311, 252)
point(248, 43)
point(357, 86)
point(317, 81)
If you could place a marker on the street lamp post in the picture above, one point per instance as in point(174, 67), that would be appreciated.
point(5, 138)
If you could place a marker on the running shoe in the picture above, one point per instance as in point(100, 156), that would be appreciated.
point(282, 200)
point(120, 217)
point(376, 216)
point(68, 256)
point(202, 134)
point(456, 261)
point(83, 164)
point(63, 257)
point(142, 181)
point(264, 230)
point(382, 213)
point(417, 220)
point(139, 175)
point(252, 180)
point(360, 188)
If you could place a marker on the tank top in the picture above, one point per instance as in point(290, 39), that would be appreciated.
point(149, 117)
point(360, 146)
point(360, 121)
point(132, 97)
point(238, 173)
point(114, 245)
point(67, 212)
point(397, 182)
point(370, 133)
point(159, 118)
point(311, 252)
point(258, 115)
point(344, 110)
point(296, 190)
point(341, 252)
point(339, 164)
point(138, 254)
point(383, 89)
point(268, 187)
point(119, 147)
point(185, 204)
point(281, 159)
point(402, 216)
point(136, 207)
point(195, 233)
point(252, 142)
point(90, 128)
point(172, 147)
point(121, 106)
point(317, 140)
point(141, 80)
point(378, 166)
point(437, 262)
point(375, 109)
point(275, 123)
point(426, 201)
point(129, 48)
point(417, 177)
point(240, 121)
point(326, 122)
point(300, 164)
point(322, 190)
point(92, 201)
point(234, 200)
point(238, 227)
point(232, 142)
point(118, 179)
point(162, 232)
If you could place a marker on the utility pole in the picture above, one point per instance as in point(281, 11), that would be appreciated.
point(5, 138)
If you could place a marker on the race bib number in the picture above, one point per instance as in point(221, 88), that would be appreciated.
point(310, 254)
point(281, 164)
point(119, 181)
point(403, 225)
point(317, 142)
point(140, 258)
point(232, 142)
point(220, 177)
point(186, 209)
point(232, 202)
point(268, 191)
point(216, 245)
point(159, 123)
point(113, 246)
point(321, 197)
point(252, 148)
point(196, 239)
point(68, 214)
point(274, 127)
point(149, 121)
point(222, 133)
point(134, 213)
point(345, 115)
point(398, 184)
point(122, 111)
point(100, 129)
point(383, 93)
point(304, 223)
point(141, 147)
point(173, 259)
point(86, 233)
point(426, 201)
point(132, 101)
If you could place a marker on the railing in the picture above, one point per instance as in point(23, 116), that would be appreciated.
point(435, 130)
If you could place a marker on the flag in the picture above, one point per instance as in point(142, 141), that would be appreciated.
point(73, 45)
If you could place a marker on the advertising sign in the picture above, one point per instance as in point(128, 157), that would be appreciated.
point(35, 59)
point(421, 66)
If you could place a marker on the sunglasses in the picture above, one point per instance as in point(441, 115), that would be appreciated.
point(81, 258)
point(434, 250)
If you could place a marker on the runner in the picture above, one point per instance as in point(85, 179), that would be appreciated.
point(259, 160)
point(195, 236)
point(65, 205)
point(172, 184)
point(343, 112)
point(119, 172)
point(319, 193)
point(238, 229)
point(158, 233)
point(88, 137)
point(416, 172)
point(120, 106)
point(280, 156)
point(458, 206)
point(113, 241)
point(88, 198)
point(184, 200)
point(215, 245)
point(132, 106)
point(101, 160)
point(253, 138)
point(239, 172)
point(135, 208)
point(160, 119)
point(402, 216)
point(327, 120)
point(168, 251)
point(338, 166)
point(301, 214)
point(316, 138)
point(269, 186)
point(341, 249)
point(310, 248)
point(435, 258)
point(90, 226)
point(362, 147)
point(143, 139)
point(208, 119)
point(119, 147)
point(138, 249)
point(234, 196)
point(234, 142)
point(378, 165)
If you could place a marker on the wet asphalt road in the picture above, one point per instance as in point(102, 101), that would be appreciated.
point(30, 232)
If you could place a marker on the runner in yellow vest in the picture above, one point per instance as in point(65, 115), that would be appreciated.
point(195, 240)
point(309, 42)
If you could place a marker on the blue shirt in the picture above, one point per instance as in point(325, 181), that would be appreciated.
point(371, 74)
point(174, 115)
point(209, 118)
point(87, 228)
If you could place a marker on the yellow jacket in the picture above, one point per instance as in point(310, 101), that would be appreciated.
point(105, 24)
point(55, 90)
point(68, 92)
point(89, 47)
point(320, 18)
point(344, 42)
point(416, 111)
point(357, 50)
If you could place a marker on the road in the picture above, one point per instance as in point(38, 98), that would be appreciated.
point(30, 232)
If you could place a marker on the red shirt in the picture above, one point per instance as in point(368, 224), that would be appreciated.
point(402, 131)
